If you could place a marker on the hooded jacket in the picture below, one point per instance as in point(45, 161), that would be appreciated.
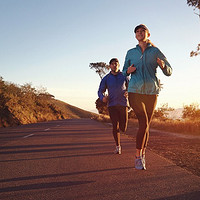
point(144, 80)
point(116, 86)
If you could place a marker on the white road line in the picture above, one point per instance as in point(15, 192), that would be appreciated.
point(28, 135)
point(46, 129)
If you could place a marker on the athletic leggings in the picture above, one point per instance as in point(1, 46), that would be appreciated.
point(119, 118)
point(143, 106)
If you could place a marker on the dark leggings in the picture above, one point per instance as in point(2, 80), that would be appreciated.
point(119, 118)
point(143, 106)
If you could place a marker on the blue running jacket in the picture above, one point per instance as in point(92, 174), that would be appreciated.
point(116, 85)
point(144, 80)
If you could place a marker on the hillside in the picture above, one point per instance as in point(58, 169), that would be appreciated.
point(25, 104)
point(58, 110)
point(70, 111)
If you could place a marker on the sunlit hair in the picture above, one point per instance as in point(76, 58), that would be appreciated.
point(114, 60)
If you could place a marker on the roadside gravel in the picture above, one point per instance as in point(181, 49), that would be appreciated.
point(181, 149)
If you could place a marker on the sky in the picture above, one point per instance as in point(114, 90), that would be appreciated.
point(50, 44)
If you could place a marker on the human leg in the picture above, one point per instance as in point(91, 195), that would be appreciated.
point(149, 105)
point(123, 118)
point(136, 102)
point(150, 102)
point(115, 123)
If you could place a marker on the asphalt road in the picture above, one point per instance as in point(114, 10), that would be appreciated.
point(73, 160)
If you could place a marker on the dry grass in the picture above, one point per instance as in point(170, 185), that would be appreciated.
point(51, 109)
point(191, 127)
point(178, 126)
point(24, 104)
point(102, 118)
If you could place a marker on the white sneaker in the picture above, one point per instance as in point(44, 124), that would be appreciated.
point(118, 150)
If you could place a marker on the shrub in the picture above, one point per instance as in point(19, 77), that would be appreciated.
point(191, 112)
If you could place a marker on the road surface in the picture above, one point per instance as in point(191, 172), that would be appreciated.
point(73, 160)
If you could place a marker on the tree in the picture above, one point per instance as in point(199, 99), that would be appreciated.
point(101, 107)
point(196, 5)
point(162, 112)
point(191, 112)
point(195, 53)
point(100, 68)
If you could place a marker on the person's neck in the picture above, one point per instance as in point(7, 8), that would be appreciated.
point(114, 73)
point(143, 45)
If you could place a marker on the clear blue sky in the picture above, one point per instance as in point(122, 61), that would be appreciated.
point(50, 43)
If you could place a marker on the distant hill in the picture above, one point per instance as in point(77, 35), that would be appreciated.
point(175, 114)
point(25, 104)
point(58, 110)
point(70, 111)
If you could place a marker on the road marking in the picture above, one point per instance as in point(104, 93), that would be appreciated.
point(28, 135)
point(46, 129)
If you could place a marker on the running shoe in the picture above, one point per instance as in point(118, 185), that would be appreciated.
point(144, 161)
point(139, 163)
point(118, 150)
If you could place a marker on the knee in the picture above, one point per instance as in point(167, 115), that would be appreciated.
point(144, 125)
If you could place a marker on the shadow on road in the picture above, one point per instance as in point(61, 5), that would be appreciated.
point(61, 175)
point(43, 186)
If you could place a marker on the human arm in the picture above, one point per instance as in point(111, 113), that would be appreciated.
point(128, 68)
point(131, 69)
point(102, 89)
point(105, 99)
point(127, 81)
point(164, 64)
